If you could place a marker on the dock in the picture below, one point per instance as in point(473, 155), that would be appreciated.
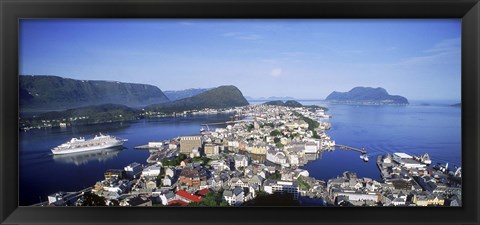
point(344, 147)
point(147, 147)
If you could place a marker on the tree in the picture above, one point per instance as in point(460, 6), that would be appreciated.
point(211, 199)
point(303, 185)
point(202, 159)
point(174, 162)
point(275, 133)
point(275, 176)
point(276, 140)
point(90, 199)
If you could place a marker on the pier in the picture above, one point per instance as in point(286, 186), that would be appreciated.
point(344, 147)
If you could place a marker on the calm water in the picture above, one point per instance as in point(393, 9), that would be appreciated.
point(42, 174)
point(413, 129)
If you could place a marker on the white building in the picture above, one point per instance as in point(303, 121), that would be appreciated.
point(152, 171)
point(169, 172)
point(240, 161)
point(234, 197)
point(356, 196)
point(311, 147)
point(407, 161)
point(133, 170)
point(277, 157)
point(155, 144)
point(279, 186)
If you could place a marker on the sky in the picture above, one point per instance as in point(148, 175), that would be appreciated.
point(304, 59)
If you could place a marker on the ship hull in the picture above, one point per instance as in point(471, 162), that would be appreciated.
point(85, 149)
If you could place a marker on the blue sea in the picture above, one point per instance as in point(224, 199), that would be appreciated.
point(415, 129)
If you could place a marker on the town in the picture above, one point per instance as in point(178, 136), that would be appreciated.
point(255, 160)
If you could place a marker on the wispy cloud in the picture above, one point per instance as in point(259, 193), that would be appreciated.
point(446, 46)
point(276, 72)
point(243, 35)
point(437, 53)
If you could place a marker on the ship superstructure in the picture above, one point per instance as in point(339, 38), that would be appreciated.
point(100, 141)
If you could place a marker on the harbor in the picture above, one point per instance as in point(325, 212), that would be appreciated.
point(327, 166)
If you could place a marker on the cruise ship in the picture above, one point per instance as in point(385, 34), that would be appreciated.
point(81, 145)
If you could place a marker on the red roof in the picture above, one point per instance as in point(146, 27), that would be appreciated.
point(177, 202)
point(203, 192)
point(189, 196)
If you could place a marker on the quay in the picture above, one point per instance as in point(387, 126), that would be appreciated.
point(344, 147)
point(147, 147)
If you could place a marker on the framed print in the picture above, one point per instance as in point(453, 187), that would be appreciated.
point(239, 112)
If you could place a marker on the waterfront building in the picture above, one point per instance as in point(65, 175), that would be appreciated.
point(293, 160)
point(133, 170)
point(312, 147)
point(113, 174)
point(277, 157)
point(155, 144)
point(281, 186)
point(407, 161)
point(188, 143)
point(118, 187)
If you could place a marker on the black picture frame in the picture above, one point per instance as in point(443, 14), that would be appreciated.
point(13, 10)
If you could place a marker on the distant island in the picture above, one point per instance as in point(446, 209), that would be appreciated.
point(457, 105)
point(52, 93)
point(271, 98)
point(366, 96)
point(289, 103)
point(181, 94)
point(294, 104)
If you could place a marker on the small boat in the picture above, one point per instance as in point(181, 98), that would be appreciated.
point(364, 157)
